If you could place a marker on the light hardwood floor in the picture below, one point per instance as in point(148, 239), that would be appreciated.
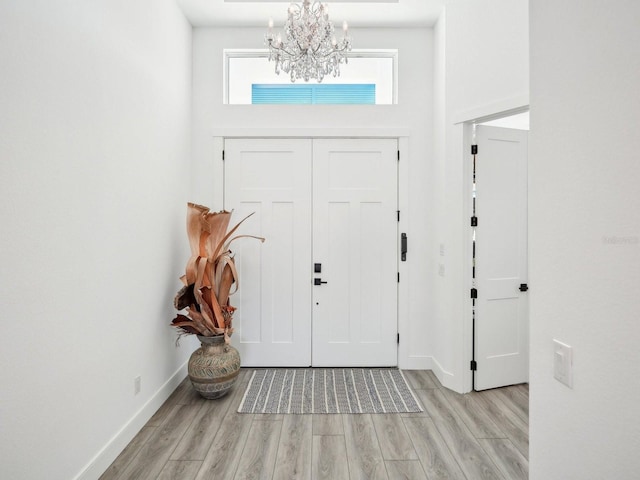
point(481, 435)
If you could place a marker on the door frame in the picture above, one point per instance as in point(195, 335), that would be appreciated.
point(215, 171)
point(467, 171)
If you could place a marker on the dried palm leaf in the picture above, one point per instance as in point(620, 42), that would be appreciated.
point(226, 247)
point(228, 276)
point(194, 227)
point(219, 247)
point(184, 297)
point(202, 294)
point(209, 275)
point(197, 317)
point(194, 233)
point(216, 225)
point(189, 326)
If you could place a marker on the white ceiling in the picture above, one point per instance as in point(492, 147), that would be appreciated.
point(359, 13)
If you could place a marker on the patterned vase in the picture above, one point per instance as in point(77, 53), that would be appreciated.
point(214, 367)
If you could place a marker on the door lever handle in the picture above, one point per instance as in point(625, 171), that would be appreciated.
point(403, 247)
point(318, 281)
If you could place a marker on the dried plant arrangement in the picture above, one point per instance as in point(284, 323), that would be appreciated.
point(210, 274)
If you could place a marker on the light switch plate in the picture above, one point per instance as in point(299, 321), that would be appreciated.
point(563, 363)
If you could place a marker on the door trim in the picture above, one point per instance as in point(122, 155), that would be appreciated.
point(310, 132)
point(215, 170)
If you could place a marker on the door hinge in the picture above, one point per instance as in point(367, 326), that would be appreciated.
point(474, 149)
point(223, 155)
point(474, 293)
point(474, 365)
point(398, 339)
point(474, 221)
point(398, 155)
point(398, 211)
point(398, 277)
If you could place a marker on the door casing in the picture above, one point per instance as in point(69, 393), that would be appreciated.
point(208, 189)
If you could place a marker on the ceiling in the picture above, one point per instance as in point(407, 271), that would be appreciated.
point(359, 13)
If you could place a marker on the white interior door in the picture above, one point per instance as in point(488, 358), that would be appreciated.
point(272, 178)
point(326, 201)
point(502, 324)
point(355, 235)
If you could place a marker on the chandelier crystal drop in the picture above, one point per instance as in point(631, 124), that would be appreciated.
point(309, 49)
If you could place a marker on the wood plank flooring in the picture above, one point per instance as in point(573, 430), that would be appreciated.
point(481, 435)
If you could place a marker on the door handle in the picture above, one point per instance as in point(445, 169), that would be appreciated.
point(523, 287)
point(318, 281)
point(403, 247)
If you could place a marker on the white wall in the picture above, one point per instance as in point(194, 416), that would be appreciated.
point(440, 332)
point(585, 237)
point(95, 120)
point(482, 69)
point(413, 113)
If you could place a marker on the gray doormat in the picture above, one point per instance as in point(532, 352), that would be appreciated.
point(328, 390)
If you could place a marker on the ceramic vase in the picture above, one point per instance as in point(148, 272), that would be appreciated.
point(214, 367)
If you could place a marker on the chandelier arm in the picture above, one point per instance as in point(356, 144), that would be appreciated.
point(286, 52)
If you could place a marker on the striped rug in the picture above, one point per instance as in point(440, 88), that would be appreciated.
point(328, 390)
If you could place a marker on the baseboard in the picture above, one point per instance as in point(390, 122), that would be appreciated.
point(447, 379)
point(417, 363)
point(105, 457)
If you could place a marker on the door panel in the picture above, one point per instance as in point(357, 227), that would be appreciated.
point(355, 240)
point(502, 335)
point(273, 179)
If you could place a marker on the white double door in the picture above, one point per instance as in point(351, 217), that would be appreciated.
point(322, 289)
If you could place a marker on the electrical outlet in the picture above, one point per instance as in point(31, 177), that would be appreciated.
point(136, 385)
point(441, 269)
point(442, 249)
point(563, 363)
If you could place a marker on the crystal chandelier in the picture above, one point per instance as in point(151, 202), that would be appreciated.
point(310, 49)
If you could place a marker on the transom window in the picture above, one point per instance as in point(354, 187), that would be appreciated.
point(369, 78)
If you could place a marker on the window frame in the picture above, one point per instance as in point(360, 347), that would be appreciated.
point(230, 53)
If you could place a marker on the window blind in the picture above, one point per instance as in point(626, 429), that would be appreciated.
point(315, 94)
